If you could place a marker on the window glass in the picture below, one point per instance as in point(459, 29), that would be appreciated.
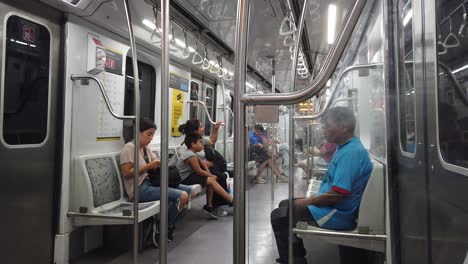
point(209, 101)
point(452, 91)
point(194, 92)
point(406, 96)
point(26, 83)
point(147, 79)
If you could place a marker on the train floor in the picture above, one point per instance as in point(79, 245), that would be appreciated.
point(201, 240)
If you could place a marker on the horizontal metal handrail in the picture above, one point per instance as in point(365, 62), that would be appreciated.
point(325, 73)
point(333, 233)
point(335, 88)
point(101, 216)
point(76, 77)
point(205, 108)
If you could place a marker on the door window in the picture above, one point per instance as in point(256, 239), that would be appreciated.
point(26, 85)
point(452, 89)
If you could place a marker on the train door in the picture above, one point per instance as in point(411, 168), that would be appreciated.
point(447, 115)
point(29, 121)
point(409, 145)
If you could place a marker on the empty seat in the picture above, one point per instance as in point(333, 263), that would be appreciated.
point(370, 230)
point(98, 193)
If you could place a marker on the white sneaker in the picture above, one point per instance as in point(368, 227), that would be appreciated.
point(220, 212)
point(282, 178)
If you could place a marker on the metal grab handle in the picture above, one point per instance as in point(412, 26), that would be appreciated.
point(334, 89)
point(287, 25)
point(325, 73)
point(76, 77)
point(205, 108)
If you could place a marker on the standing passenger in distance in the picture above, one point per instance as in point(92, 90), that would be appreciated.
point(337, 203)
point(146, 193)
point(194, 171)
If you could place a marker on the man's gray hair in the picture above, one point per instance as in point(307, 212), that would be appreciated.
point(343, 116)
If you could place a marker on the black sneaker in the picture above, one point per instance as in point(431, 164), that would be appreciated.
point(170, 233)
point(209, 211)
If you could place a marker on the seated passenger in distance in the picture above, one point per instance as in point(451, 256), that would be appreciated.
point(146, 193)
point(259, 152)
point(337, 203)
point(323, 151)
point(194, 171)
point(195, 127)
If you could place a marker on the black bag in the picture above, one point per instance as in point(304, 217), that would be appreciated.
point(155, 174)
point(214, 156)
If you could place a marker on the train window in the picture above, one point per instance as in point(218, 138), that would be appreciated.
point(452, 92)
point(147, 78)
point(194, 92)
point(406, 98)
point(25, 93)
point(209, 101)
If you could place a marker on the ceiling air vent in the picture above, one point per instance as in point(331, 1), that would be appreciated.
point(78, 7)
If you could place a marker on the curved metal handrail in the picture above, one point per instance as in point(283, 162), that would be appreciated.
point(76, 77)
point(330, 64)
point(458, 88)
point(334, 89)
point(205, 108)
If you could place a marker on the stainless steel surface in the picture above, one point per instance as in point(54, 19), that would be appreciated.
point(225, 114)
point(308, 153)
point(300, 28)
point(334, 90)
point(239, 256)
point(136, 133)
point(291, 183)
point(325, 73)
point(30, 175)
point(125, 219)
point(204, 108)
point(77, 77)
point(164, 130)
point(340, 234)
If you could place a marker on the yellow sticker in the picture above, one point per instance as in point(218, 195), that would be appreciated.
point(177, 111)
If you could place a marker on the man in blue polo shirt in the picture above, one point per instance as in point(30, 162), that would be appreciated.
point(336, 205)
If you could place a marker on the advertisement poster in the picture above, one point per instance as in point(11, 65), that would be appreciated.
point(177, 111)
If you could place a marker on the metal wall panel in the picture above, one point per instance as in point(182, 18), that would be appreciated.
point(29, 175)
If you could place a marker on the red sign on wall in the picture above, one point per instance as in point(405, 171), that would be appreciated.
point(29, 34)
point(110, 63)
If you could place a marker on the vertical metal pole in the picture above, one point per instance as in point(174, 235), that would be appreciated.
point(291, 183)
point(239, 243)
point(273, 160)
point(308, 150)
point(136, 87)
point(164, 130)
point(225, 114)
point(291, 134)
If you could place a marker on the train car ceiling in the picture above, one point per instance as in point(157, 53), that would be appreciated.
point(206, 30)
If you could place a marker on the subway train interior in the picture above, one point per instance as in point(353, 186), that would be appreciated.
point(269, 84)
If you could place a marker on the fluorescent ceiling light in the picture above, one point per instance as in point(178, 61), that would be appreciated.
point(407, 17)
point(328, 82)
point(249, 85)
point(331, 23)
point(149, 24)
point(460, 69)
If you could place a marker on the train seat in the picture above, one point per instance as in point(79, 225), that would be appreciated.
point(370, 230)
point(98, 193)
point(230, 158)
point(197, 189)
